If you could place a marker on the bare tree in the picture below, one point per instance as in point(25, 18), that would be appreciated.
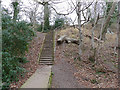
point(46, 16)
point(102, 23)
point(78, 11)
point(15, 4)
point(104, 31)
point(95, 22)
point(33, 13)
point(119, 43)
point(0, 47)
point(45, 4)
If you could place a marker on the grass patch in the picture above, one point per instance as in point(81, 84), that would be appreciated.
point(77, 58)
point(92, 59)
point(105, 60)
point(115, 65)
point(50, 80)
point(100, 71)
point(93, 81)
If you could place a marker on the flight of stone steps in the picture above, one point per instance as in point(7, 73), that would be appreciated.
point(47, 54)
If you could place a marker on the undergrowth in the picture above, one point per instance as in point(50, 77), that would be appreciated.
point(15, 40)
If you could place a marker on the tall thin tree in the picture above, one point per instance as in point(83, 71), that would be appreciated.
point(15, 4)
point(45, 4)
point(0, 48)
point(46, 16)
point(78, 11)
point(119, 43)
point(104, 31)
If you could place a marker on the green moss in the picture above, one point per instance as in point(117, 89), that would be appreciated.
point(93, 81)
point(77, 58)
point(53, 43)
point(92, 59)
point(41, 49)
point(50, 80)
point(100, 71)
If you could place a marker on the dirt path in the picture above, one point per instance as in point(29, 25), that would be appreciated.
point(63, 72)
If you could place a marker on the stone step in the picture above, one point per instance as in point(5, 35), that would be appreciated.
point(48, 41)
point(48, 46)
point(46, 59)
point(47, 52)
point(46, 63)
point(46, 49)
point(46, 55)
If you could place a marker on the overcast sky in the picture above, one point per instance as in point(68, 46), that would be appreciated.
point(60, 7)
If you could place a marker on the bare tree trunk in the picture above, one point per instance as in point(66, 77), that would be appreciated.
point(61, 39)
point(45, 4)
point(32, 19)
point(92, 40)
point(119, 43)
point(102, 24)
point(104, 31)
point(42, 24)
point(95, 22)
point(79, 26)
point(46, 16)
point(34, 16)
point(117, 37)
point(16, 10)
point(0, 48)
point(68, 40)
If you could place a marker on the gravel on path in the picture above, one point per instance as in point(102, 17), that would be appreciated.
point(63, 72)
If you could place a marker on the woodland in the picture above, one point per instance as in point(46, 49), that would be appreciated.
point(86, 42)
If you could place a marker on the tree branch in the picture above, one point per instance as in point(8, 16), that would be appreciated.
point(72, 10)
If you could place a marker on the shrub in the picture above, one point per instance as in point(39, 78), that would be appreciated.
point(40, 27)
point(59, 22)
point(46, 29)
point(15, 41)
